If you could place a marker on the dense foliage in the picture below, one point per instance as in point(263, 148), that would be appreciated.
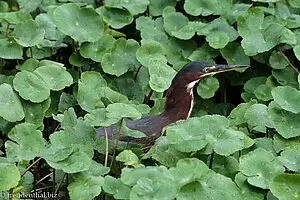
point(70, 66)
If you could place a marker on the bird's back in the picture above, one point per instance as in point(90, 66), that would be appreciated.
point(151, 126)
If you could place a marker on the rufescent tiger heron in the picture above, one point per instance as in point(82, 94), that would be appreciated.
point(178, 106)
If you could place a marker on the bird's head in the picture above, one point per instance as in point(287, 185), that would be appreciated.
point(194, 71)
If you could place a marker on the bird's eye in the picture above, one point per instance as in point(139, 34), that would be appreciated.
point(205, 69)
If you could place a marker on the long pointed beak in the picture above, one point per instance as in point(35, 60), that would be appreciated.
point(215, 69)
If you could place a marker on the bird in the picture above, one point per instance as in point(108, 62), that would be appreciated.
point(178, 105)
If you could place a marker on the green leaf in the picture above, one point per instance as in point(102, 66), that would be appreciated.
point(3, 6)
point(204, 8)
point(10, 178)
point(129, 158)
point(52, 34)
point(234, 54)
point(263, 92)
point(290, 159)
point(189, 170)
point(56, 77)
point(237, 115)
point(156, 7)
point(279, 143)
point(93, 90)
point(29, 65)
point(96, 50)
point(178, 25)
point(217, 40)
point(150, 51)
point(178, 51)
point(10, 49)
point(235, 11)
point(151, 29)
point(286, 123)
point(76, 162)
point(294, 3)
point(161, 75)
point(122, 110)
point(28, 142)
point(286, 186)
point(219, 25)
point(116, 187)
point(34, 114)
point(98, 117)
point(28, 33)
point(10, 105)
point(257, 37)
point(205, 52)
point(149, 183)
point(207, 87)
point(31, 86)
point(195, 133)
point(213, 186)
point(87, 184)
point(121, 57)
point(260, 166)
point(133, 6)
point(286, 76)
point(252, 84)
point(82, 24)
point(29, 5)
point(287, 97)
point(115, 17)
point(249, 193)
point(257, 116)
point(164, 152)
point(277, 61)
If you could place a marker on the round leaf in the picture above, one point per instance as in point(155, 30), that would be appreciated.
point(96, 50)
point(10, 105)
point(286, 123)
point(134, 6)
point(82, 24)
point(28, 142)
point(287, 97)
point(122, 110)
point(121, 58)
point(10, 178)
point(57, 78)
point(115, 17)
point(260, 166)
point(257, 117)
point(128, 157)
point(150, 51)
point(31, 86)
point(196, 7)
point(217, 40)
point(207, 87)
point(28, 33)
point(291, 159)
point(277, 61)
point(286, 186)
point(10, 49)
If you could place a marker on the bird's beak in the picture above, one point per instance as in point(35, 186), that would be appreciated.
point(215, 69)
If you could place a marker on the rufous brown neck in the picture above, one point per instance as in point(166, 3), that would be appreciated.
point(179, 98)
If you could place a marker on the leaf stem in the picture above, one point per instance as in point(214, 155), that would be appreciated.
point(147, 99)
point(60, 183)
point(137, 72)
point(43, 178)
point(106, 147)
point(288, 61)
point(211, 159)
point(30, 166)
point(117, 142)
